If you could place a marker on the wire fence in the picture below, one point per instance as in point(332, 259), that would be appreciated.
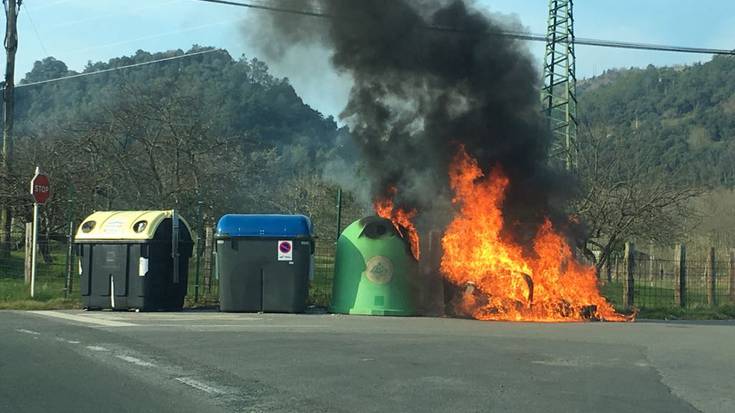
point(656, 282)
point(52, 266)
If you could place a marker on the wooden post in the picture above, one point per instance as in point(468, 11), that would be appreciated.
point(6, 157)
point(732, 275)
point(629, 282)
point(68, 284)
point(651, 265)
point(208, 237)
point(430, 292)
point(711, 278)
point(28, 249)
point(617, 269)
point(680, 275)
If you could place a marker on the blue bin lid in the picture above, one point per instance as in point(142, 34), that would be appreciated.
point(265, 226)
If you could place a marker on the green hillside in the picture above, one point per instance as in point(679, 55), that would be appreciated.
point(240, 94)
point(205, 133)
point(676, 121)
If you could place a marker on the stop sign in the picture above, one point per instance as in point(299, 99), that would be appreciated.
point(40, 188)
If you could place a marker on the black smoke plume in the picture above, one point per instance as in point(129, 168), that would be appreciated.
point(429, 75)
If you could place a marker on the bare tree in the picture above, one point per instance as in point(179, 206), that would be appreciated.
point(622, 200)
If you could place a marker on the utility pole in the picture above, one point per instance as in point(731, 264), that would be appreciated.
point(11, 46)
point(559, 93)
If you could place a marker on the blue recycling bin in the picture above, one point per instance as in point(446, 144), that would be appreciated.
point(264, 262)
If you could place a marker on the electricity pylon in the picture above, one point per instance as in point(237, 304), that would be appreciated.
point(559, 96)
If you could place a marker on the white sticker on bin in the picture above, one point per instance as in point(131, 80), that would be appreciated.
point(142, 266)
point(285, 250)
point(114, 226)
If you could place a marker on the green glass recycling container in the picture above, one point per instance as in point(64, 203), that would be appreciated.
point(374, 269)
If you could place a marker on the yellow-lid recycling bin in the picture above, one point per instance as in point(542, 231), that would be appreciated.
point(133, 260)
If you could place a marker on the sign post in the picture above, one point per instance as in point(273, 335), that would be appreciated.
point(40, 190)
point(175, 244)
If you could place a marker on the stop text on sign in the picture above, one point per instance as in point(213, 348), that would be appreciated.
point(40, 188)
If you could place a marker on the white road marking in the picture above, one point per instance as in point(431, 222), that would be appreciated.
point(23, 330)
point(172, 316)
point(136, 361)
point(67, 341)
point(83, 319)
point(199, 385)
point(558, 363)
point(243, 326)
point(97, 348)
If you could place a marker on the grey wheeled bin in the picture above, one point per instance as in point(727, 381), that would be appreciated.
point(264, 262)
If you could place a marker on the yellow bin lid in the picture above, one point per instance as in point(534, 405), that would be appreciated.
point(123, 225)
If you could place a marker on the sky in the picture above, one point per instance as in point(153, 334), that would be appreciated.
point(78, 31)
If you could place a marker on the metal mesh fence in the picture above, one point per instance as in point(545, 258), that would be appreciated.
point(52, 265)
point(656, 283)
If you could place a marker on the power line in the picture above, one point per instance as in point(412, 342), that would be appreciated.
point(66, 23)
point(152, 36)
point(509, 34)
point(310, 13)
point(35, 30)
point(112, 69)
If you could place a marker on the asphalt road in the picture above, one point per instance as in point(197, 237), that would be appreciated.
point(74, 361)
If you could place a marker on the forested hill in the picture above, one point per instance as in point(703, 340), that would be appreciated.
point(241, 96)
point(203, 133)
point(677, 121)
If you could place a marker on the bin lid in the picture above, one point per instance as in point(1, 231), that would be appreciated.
point(264, 226)
point(123, 225)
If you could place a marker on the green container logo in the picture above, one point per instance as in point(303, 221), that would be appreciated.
point(373, 270)
point(379, 270)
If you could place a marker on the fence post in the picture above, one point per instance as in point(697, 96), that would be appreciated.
point(651, 265)
point(28, 249)
point(711, 279)
point(680, 275)
point(617, 269)
point(198, 250)
point(208, 236)
point(69, 260)
point(339, 214)
point(732, 275)
point(629, 284)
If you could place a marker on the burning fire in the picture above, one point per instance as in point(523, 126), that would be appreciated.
point(401, 219)
point(501, 281)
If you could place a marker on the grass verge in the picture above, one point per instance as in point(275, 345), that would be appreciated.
point(49, 295)
point(724, 312)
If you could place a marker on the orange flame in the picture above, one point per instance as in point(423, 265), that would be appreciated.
point(502, 281)
point(401, 219)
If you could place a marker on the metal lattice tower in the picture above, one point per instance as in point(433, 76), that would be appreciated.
point(559, 95)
